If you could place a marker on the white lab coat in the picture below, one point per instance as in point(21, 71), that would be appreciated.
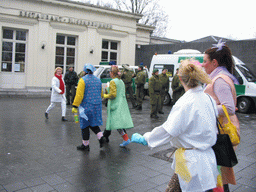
point(191, 124)
point(56, 96)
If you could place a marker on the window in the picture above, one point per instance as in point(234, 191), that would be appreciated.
point(13, 50)
point(109, 51)
point(169, 67)
point(65, 52)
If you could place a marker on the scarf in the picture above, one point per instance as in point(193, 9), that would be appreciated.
point(222, 70)
point(62, 87)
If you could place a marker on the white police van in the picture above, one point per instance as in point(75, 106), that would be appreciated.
point(246, 90)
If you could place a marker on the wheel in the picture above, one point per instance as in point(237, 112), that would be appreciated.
point(244, 104)
point(167, 99)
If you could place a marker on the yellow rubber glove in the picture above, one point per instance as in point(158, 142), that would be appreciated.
point(74, 110)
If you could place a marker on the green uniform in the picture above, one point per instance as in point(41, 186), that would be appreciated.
point(177, 89)
point(154, 88)
point(140, 80)
point(127, 76)
point(165, 87)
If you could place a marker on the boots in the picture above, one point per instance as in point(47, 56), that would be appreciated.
point(83, 147)
point(102, 141)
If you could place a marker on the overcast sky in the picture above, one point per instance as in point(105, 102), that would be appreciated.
point(194, 19)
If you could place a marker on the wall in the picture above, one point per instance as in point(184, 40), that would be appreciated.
point(245, 50)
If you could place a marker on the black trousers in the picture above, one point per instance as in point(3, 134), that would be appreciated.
point(70, 93)
point(86, 132)
point(107, 133)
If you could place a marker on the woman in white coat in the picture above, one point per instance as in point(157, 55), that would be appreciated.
point(191, 128)
point(57, 96)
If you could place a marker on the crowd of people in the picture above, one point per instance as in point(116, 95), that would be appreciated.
point(199, 91)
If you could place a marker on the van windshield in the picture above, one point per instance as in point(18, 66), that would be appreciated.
point(247, 73)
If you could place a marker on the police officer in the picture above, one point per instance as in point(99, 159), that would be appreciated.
point(71, 80)
point(177, 88)
point(165, 88)
point(127, 76)
point(140, 80)
point(154, 88)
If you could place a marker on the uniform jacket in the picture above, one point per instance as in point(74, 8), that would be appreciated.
point(140, 79)
point(127, 76)
point(154, 88)
point(55, 95)
point(165, 82)
point(71, 78)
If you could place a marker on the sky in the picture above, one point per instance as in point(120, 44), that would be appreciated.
point(194, 19)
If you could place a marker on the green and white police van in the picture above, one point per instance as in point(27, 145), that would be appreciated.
point(103, 70)
point(246, 90)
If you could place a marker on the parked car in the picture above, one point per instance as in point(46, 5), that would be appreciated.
point(102, 72)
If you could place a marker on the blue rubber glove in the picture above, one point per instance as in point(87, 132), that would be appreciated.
point(138, 138)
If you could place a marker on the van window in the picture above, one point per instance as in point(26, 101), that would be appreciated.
point(247, 73)
point(105, 74)
point(238, 77)
point(170, 68)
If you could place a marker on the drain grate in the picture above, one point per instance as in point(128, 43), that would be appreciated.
point(164, 155)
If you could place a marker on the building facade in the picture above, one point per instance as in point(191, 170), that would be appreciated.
point(39, 35)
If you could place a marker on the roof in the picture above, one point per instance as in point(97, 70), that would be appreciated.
point(210, 39)
point(88, 6)
point(163, 40)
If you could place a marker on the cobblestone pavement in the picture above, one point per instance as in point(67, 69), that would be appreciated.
point(40, 155)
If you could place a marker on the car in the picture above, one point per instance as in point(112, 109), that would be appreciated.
point(102, 72)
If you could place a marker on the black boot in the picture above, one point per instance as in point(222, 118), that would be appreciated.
point(154, 116)
point(226, 188)
point(102, 141)
point(64, 119)
point(106, 135)
point(46, 115)
point(83, 147)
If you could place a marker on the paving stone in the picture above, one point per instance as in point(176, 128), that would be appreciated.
point(41, 155)
point(15, 186)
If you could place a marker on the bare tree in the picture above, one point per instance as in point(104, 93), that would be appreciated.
point(152, 13)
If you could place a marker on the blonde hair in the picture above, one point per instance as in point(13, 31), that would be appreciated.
point(114, 69)
point(57, 69)
point(191, 74)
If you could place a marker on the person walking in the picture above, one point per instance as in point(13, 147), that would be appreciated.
point(71, 80)
point(165, 88)
point(187, 130)
point(118, 113)
point(154, 89)
point(57, 95)
point(127, 76)
point(140, 80)
point(177, 88)
point(88, 100)
point(218, 63)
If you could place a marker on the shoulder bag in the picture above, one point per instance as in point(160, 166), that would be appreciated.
point(230, 129)
point(223, 149)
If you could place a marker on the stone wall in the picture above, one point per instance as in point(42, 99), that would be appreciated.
point(245, 50)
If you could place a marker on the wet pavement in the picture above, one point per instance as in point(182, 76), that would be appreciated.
point(40, 155)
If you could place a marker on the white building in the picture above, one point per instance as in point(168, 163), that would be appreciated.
point(39, 35)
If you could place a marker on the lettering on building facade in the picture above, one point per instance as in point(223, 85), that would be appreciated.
point(64, 19)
